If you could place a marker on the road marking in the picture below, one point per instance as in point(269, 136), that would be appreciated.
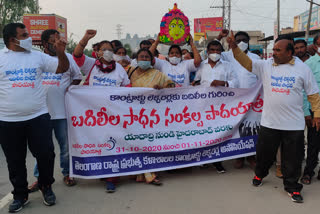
point(5, 200)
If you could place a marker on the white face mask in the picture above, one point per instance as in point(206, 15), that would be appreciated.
point(25, 44)
point(243, 46)
point(318, 49)
point(174, 60)
point(215, 57)
point(108, 55)
point(118, 58)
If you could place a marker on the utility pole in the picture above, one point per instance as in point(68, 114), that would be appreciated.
point(278, 17)
point(226, 13)
point(119, 30)
point(309, 19)
point(38, 6)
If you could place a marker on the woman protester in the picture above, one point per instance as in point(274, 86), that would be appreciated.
point(103, 71)
point(145, 76)
point(176, 68)
point(121, 57)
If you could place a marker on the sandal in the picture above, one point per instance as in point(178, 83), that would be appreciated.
point(306, 179)
point(69, 181)
point(156, 182)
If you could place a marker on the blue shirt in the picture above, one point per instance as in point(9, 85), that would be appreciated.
point(314, 64)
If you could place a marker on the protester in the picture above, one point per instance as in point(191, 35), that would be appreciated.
point(284, 78)
point(300, 49)
point(246, 79)
point(177, 69)
point(102, 72)
point(116, 44)
point(121, 57)
point(216, 72)
point(145, 76)
point(144, 44)
point(57, 85)
point(313, 134)
point(24, 118)
point(94, 50)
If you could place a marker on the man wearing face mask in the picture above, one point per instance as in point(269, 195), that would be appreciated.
point(103, 71)
point(24, 118)
point(216, 72)
point(246, 79)
point(57, 84)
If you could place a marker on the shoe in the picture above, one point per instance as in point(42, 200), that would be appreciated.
point(17, 205)
point(110, 187)
point(239, 163)
point(256, 181)
point(69, 181)
point(296, 197)
point(49, 197)
point(220, 169)
point(306, 179)
point(278, 172)
point(318, 177)
point(34, 187)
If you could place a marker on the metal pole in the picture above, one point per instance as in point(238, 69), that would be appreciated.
point(229, 21)
point(309, 20)
point(278, 17)
point(223, 14)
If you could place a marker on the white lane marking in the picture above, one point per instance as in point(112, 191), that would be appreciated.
point(5, 200)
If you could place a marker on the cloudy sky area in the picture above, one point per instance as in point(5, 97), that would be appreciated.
point(143, 16)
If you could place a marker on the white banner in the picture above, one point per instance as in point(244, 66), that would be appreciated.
point(124, 131)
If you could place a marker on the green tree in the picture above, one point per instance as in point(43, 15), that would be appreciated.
point(13, 10)
point(128, 48)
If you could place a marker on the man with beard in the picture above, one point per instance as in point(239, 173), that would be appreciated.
point(300, 49)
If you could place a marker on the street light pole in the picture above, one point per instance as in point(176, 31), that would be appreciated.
point(309, 20)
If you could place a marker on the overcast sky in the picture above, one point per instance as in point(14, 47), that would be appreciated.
point(143, 16)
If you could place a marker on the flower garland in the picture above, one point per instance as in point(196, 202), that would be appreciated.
point(165, 36)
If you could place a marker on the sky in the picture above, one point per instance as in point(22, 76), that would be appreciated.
point(143, 16)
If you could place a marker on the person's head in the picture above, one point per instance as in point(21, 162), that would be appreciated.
point(285, 37)
point(300, 48)
point(95, 47)
point(144, 58)
point(258, 52)
point(242, 39)
point(214, 49)
point(105, 51)
point(48, 39)
point(316, 42)
point(151, 40)
point(16, 37)
point(175, 54)
point(184, 51)
point(121, 51)
point(283, 51)
point(116, 43)
point(145, 44)
point(188, 56)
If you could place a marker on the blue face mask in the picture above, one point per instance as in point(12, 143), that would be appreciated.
point(144, 65)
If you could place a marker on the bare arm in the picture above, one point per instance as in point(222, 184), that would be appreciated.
point(197, 57)
point(63, 62)
point(78, 51)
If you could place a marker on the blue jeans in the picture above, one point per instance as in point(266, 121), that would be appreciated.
point(61, 133)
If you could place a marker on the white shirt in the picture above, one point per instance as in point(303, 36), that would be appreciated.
point(283, 93)
point(179, 73)
point(246, 78)
point(221, 71)
point(21, 92)
point(117, 77)
point(56, 85)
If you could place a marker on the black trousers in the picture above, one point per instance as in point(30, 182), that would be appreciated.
point(292, 148)
point(14, 138)
point(312, 151)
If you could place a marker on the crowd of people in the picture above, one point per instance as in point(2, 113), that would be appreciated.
point(34, 85)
